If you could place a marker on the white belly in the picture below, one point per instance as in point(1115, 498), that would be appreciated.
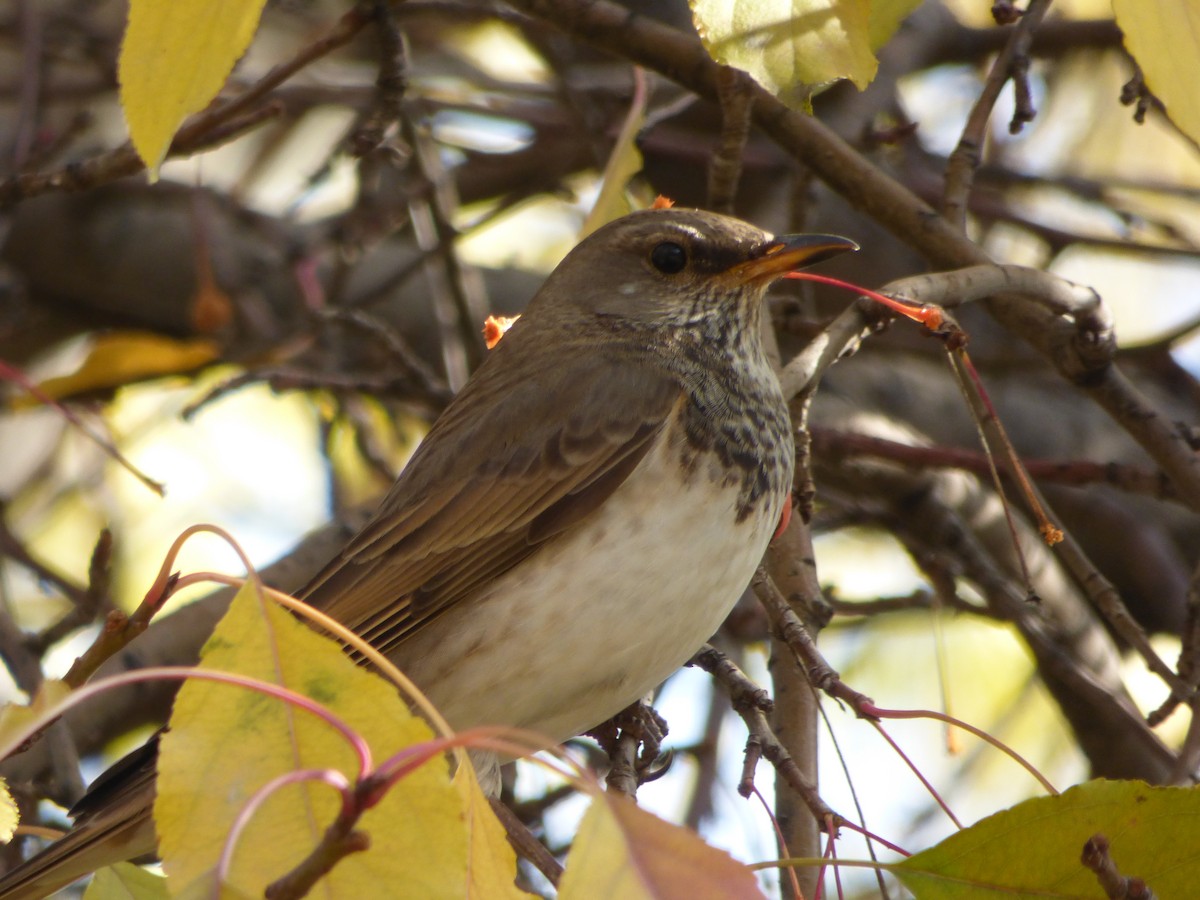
point(570, 638)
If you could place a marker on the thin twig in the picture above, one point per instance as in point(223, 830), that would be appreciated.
point(1073, 472)
point(725, 166)
point(681, 57)
point(95, 597)
point(1115, 885)
point(752, 703)
point(526, 845)
point(960, 170)
point(11, 546)
point(390, 85)
point(339, 841)
point(455, 292)
point(202, 131)
point(820, 674)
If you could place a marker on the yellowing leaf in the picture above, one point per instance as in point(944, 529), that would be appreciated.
point(225, 743)
point(623, 851)
point(175, 57)
point(492, 863)
point(125, 881)
point(793, 46)
point(790, 46)
point(1033, 849)
point(1164, 37)
point(122, 357)
point(15, 717)
point(624, 162)
point(886, 16)
point(10, 816)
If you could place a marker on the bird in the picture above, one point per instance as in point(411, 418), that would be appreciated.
point(581, 517)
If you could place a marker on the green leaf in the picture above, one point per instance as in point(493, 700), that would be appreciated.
point(125, 881)
point(1033, 849)
point(1164, 37)
point(175, 57)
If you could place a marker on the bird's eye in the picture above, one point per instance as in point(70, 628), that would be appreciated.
point(669, 258)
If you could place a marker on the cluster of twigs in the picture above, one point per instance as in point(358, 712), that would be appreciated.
point(707, 120)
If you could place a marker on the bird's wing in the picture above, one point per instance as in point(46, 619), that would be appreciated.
point(518, 458)
point(112, 822)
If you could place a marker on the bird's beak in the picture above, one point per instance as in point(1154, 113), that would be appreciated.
point(788, 252)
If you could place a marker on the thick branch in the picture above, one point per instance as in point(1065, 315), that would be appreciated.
point(680, 57)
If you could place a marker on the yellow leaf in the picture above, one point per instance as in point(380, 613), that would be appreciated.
point(10, 816)
point(624, 162)
point(122, 357)
point(623, 851)
point(226, 742)
point(886, 16)
point(1164, 37)
point(492, 863)
point(125, 881)
point(15, 717)
point(175, 57)
point(793, 46)
point(790, 46)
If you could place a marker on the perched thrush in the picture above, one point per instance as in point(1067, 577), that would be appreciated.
point(587, 510)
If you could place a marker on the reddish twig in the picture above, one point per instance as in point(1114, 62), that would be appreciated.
point(1073, 472)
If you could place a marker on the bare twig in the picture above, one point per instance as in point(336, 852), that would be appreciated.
point(83, 611)
point(12, 547)
point(752, 703)
point(1189, 673)
point(411, 364)
point(1115, 885)
point(203, 130)
point(1013, 62)
point(1074, 472)
point(339, 841)
point(1075, 657)
point(526, 845)
point(820, 674)
point(725, 167)
point(455, 291)
point(391, 84)
point(705, 752)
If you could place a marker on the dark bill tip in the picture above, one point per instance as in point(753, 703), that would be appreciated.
point(788, 252)
point(808, 249)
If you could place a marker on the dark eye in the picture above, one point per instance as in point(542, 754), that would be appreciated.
point(668, 258)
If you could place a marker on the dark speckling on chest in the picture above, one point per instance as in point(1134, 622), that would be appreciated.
point(736, 417)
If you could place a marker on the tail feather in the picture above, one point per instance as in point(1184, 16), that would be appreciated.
point(82, 850)
point(113, 822)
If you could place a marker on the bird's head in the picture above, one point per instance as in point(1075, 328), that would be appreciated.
point(679, 266)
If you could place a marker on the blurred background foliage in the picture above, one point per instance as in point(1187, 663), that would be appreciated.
point(289, 309)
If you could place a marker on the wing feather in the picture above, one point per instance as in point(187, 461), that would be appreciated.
point(512, 463)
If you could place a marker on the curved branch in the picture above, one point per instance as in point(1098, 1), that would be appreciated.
point(681, 57)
